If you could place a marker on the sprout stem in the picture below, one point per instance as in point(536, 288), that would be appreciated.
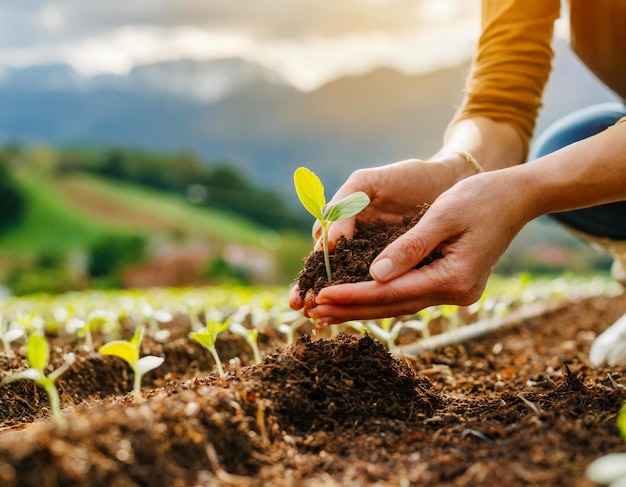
point(326, 252)
point(218, 362)
point(53, 396)
point(137, 384)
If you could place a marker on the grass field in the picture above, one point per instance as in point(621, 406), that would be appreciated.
point(70, 212)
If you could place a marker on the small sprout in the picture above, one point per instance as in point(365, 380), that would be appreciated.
point(450, 314)
point(9, 333)
point(208, 337)
point(386, 330)
point(611, 468)
point(251, 336)
point(421, 325)
point(154, 317)
point(356, 326)
point(81, 329)
point(288, 323)
point(311, 194)
point(38, 356)
point(608, 469)
point(128, 350)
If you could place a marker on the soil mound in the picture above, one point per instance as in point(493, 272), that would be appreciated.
point(340, 383)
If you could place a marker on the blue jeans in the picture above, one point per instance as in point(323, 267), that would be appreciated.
point(606, 221)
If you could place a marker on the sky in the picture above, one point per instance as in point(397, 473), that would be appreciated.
point(307, 42)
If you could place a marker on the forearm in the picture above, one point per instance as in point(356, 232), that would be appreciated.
point(588, 173)
point(495, 145)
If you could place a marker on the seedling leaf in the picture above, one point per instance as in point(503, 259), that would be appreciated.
point(37, 352)
point(203, 337)
point(30, 374)
point(148, 363)
point(621, 421)
point(137, 336)
point(127, 351)
point(347, 207)
point(310, 191)
point(13, 334)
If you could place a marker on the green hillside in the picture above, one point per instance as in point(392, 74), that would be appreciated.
point(70, 212)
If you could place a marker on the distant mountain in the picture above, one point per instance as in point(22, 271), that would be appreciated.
point(234, 109)
point(205, 81)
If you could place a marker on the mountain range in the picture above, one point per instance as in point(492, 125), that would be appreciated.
point(236, 110)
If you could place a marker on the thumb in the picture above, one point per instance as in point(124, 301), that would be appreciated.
point(341, 228)
point(407, 251)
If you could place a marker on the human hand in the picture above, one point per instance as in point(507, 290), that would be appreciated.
point(471, 224)
point(395, 191)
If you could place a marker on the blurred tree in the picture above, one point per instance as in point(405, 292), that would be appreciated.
point(109, 255)
point(220, 271)
point(223, 184)
point(12, 199)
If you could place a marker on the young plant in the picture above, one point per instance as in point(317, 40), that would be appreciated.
point(287, 324)
point(128, 350)
point(208, 337)
point(251, 336)
point(386, 330)
point(38, 356)
point(8, 334)
point(311, 194)
point(611, 468)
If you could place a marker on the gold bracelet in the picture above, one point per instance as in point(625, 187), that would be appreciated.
point(471, 160)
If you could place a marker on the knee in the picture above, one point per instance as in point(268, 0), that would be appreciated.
point(576, 126)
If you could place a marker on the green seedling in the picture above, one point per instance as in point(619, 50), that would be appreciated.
point(208, 337)
point(357, 326)
point(251, 336)
point(99, 319)
point(609, 469)
point(154, 318)
point(288, 323)
point(311, 194)
point(128, 350)
point(418, 324)
point(38, 356)
point(9, 333)
point(386, 330)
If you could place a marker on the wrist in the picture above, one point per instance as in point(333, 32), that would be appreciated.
point(461, 164)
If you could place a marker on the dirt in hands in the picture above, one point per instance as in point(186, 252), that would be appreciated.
point(351, 260)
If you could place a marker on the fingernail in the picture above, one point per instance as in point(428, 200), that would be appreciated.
point(382, 269)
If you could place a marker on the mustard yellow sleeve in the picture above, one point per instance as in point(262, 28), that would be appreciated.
point(512, 63)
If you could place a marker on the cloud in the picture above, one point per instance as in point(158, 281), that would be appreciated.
point(262, 18)
point(308, 42)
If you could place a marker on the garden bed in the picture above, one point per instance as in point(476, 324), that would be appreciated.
point(520, 406)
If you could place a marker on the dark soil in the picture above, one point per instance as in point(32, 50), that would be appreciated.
point(351, 260)
point(519, 407)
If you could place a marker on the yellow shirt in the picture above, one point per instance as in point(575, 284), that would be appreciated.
point(514, 56)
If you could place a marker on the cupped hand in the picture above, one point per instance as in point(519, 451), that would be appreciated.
point(471, 224)
point(395, 191)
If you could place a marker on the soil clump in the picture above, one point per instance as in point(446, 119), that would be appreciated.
point(351, 260)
